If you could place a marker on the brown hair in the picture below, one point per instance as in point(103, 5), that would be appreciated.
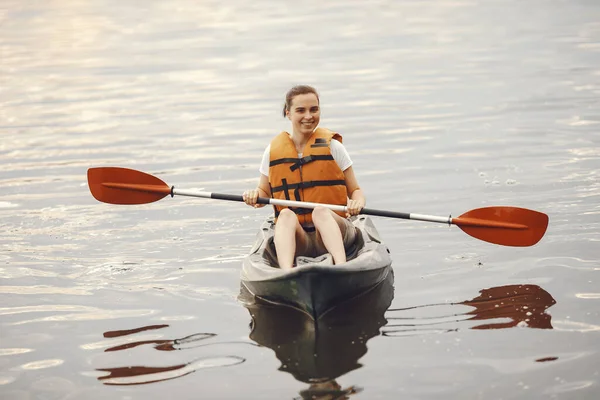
point(295, 91)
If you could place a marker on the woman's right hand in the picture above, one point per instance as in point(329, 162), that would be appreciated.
point(251, 197)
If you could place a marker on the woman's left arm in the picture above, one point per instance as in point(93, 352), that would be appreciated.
point(356, 200)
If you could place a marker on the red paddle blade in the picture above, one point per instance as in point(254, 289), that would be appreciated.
point(115, 185)
point(508, 226)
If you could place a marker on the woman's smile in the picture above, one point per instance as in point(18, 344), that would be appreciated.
point(304, 113)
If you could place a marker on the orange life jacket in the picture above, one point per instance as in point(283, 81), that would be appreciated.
point(315, 177)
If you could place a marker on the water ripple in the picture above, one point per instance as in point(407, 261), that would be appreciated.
point(443, 105)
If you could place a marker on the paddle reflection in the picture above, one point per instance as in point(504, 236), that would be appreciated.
point(139, 374)
point(524, 305)
point(318, 352)
point(504, 307)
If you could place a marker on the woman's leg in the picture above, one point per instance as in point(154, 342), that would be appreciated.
point(329, 228)
point(288, 235)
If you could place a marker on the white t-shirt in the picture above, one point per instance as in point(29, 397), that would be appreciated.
point(338, 151)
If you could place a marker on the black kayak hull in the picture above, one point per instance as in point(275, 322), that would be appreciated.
point(317, 290)
point(318, 350)
point(315, 285)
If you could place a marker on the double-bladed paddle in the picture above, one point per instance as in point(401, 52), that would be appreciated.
point(508, 226)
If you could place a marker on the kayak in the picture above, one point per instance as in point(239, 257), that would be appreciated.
point(320, 350)
point(315, 285)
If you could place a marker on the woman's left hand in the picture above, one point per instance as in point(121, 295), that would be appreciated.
point(354, 207)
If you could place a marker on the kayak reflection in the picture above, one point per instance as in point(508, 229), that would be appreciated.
point(319, 351)
point(503, 307)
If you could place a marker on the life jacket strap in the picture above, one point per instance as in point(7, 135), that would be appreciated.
point(297, 162)
point(285, 187)
point(304, 185)
point(311, 158)
point(283, 161)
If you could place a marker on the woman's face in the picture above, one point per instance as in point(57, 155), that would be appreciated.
point(304, 112)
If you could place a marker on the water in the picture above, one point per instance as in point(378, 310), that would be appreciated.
point(444, 106)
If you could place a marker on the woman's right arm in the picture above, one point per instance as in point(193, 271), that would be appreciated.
point(262, 190)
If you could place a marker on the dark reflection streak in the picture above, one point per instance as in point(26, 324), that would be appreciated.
point(168, 345)
point(422, 306)
point(185, 343)
point(112, 334)
point(446, 320)
point(141, 371)
point(128, 372)
point(475, 300)
point(217, 344)
point(546, 359)
point(164, 345)
point(520, 304)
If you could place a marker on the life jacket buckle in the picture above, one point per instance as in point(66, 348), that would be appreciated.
point(301, 161)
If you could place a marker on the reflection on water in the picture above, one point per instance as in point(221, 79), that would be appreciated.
point(318, 352)
point(138, 374)
point(523, 305)
point(328, 390)
point(504, 306)
point(444, 106)
point(112, 334)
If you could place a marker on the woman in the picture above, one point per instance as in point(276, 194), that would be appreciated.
point(310, 164)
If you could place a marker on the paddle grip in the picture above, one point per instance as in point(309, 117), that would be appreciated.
point(235, 197)
point(383, 213)
point(229, 197)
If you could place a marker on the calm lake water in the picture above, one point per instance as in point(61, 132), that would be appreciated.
point(445, 106)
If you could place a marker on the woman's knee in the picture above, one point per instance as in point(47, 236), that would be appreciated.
point(287, 217)
point(320, 214)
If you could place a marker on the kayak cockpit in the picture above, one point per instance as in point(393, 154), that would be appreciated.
point(315, 285)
